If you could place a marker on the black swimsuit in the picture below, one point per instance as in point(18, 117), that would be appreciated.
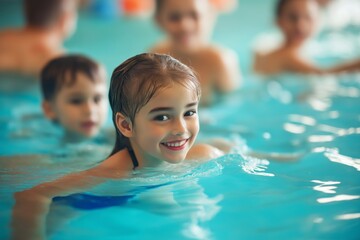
point(133, 158)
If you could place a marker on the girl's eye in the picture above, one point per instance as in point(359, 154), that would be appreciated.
point(194, 16)
point(97, 98)
point(76, 101)
point(190, 113)
point(174, 17)
point(161, 118)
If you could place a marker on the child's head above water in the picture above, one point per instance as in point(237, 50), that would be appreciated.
point(73, 89)
point(296, 19)
point(154, 101)
point(185, 22)
point(57, 14)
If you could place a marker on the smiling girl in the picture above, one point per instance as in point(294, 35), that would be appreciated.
point(154, 100)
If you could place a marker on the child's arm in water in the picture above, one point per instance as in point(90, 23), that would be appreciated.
point(32, 205)
point(296, 64)
point(223, 146)
point(282, 60)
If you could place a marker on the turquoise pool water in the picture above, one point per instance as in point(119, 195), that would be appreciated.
point(303, 184)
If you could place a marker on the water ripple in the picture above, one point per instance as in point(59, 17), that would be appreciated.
point(338, 198)
point(334, 156)
point(325, 187)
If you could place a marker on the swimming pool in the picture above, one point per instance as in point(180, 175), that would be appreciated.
point(312, 121)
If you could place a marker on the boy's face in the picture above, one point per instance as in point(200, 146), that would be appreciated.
point(184, 22)
point(167, 126)
point(297, 20)
point(80, 108)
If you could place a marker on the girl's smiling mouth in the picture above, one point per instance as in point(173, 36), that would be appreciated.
point(176, 145)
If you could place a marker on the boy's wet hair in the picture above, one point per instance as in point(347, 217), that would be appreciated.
point(159, 5)
point(63, 70)
point(43, 13)
point(138, 79)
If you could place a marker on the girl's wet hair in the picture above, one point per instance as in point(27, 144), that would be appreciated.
point(280, 5)
point(62, 71)
point(138, 79)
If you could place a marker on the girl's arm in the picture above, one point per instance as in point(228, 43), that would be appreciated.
point(31, 206)
point(351, 66)
point(295, 64)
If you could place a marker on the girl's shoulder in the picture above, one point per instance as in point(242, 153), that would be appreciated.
point(204, 152)
point(116, 165)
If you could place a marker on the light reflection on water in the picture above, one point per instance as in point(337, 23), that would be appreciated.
point(338, 198)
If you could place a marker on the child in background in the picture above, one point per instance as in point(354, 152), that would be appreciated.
point(297, 21)
point(186, 26)
point(154, 100)
point(74, 89)
point(48, 24)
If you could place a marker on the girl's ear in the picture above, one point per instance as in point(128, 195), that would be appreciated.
point(48, 110)
point(124, 125)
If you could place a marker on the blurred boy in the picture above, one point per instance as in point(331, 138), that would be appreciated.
point(47, 24)
point(74, 95)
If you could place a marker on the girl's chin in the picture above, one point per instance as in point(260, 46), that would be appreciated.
point(173, 160)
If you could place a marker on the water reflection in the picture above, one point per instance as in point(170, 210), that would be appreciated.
point(325, 187)
point(334, 156)
point(306, 120)
point(256, 166)
point(348, 216)
point(338, 198)
point(294, 128)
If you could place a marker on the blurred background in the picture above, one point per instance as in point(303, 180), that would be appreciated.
point(107, 34)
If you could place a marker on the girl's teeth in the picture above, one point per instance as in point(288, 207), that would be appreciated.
point(175, 144)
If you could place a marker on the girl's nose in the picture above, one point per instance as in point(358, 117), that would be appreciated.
point(88, 107)
point(179, 127)
point(186, 23)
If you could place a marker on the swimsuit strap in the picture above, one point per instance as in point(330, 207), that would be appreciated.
point(133, 158)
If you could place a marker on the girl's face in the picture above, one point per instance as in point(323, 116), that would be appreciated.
point(297, 20)
point(80, 108)
point(184, 22)
point(167, 126)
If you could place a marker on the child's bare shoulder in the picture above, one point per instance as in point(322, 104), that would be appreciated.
point(271, 62)
point(115, 166)
point(204, 152)
point(8, 39)
point(218, 57)
point(161, 47)
point(219, 52)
